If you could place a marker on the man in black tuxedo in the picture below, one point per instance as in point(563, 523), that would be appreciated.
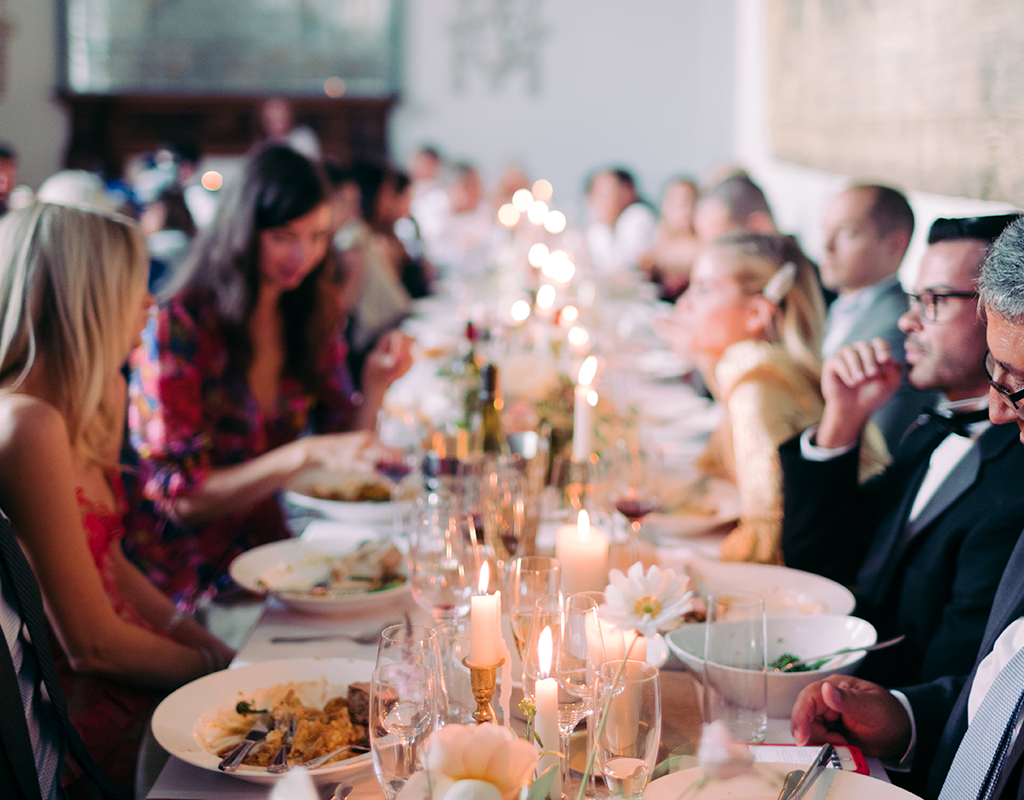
point(36, 735)
point(937, 729)
point(924, 543)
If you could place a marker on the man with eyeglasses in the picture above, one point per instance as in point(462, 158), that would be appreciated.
point(923, 543)
point(959, 736)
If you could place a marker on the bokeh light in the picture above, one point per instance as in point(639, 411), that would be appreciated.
point(537, 211)
point(554, 222)
point(522, 199)
point(542, 190)
point(212, 180)
point(546, 296)
point(538, 254)
point(334, 87)
point(520, 311)
point(508, 215)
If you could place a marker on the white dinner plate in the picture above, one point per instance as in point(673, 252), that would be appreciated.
point(717, 505)
point(767, 783)
point(185, 718)
point(363, 513)
point(288, 569)
point(786, 591)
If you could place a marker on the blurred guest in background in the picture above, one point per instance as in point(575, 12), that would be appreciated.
point(622, 226)
point(923, 543)
point(76, 187)
point(753, 318)
point(169, 230)
point(734, 203)
point(242, 359)
point(676, 245)
point(461, 244)
point(278, 121)
point(867, 232)
point(8, 173)
point(74, 299)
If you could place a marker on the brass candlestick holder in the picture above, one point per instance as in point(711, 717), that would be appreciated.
point(483, 680)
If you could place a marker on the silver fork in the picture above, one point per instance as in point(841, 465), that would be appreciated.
point(367, 637)
point(280, 762)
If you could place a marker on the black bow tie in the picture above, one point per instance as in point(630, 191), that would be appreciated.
point(957, 423)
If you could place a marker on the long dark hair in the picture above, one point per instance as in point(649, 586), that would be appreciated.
point(277, 185)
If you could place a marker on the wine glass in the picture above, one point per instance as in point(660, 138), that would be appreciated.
point(530, 578)
point(403, 703)
point(634, 484)
point(627, 746)
point(578, 651)
point(403, 436)
point(503, 498)
point(444, 562)
point(405, 643)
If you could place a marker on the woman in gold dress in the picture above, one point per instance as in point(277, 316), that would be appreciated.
point(753, 318)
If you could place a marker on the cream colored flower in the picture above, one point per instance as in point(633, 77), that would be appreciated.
point(488, 753)
point(645, 602)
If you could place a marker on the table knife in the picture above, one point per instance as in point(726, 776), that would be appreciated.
point(257, 733)
point(822, 760)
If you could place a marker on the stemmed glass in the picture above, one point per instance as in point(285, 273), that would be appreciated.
point(529, 579)
point(444, 562)
point(503, 499)
point(634, 482)
point(405, 643)
point(578, 652)
point(403, 703)
point(403, 436)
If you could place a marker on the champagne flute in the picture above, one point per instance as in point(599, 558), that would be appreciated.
point(444, 561)
point(403, 703)
point(530, 578)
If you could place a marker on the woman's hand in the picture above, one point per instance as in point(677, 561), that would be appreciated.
point(387, 362)
point(342, 451)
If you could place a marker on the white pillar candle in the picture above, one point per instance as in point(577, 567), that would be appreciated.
point(583, 411)
point(583, 553)
point(485, 621)
point(545, 700)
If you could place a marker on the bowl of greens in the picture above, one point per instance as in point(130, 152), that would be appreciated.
point(789, 638)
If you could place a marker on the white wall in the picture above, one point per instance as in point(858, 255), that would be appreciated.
point(644, 83)
point(798, 194)
point(30, 118)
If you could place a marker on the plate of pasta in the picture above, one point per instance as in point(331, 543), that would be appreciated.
point(328, 698)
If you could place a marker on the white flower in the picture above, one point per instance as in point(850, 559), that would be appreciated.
point(719, 756)
point(645, 602)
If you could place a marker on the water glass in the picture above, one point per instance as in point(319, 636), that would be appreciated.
point(405, 643)
point(403, 699)
point(627, 746)
point(503, 499)
point(736, 665)
point(460, 702)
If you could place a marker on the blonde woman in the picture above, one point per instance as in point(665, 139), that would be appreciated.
point(753, 318)
point(73, 300)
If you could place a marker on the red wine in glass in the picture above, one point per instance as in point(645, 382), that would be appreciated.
point(636, 508)
point(393, 469)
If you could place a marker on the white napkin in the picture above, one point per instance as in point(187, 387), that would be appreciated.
point(336, 538)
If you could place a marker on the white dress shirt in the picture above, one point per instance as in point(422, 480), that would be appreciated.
point(617, 248)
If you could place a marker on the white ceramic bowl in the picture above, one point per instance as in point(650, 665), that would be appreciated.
point(803, 636)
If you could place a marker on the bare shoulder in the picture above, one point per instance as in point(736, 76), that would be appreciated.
point(30, 427)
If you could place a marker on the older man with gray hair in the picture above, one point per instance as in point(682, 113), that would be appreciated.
point(957, 737)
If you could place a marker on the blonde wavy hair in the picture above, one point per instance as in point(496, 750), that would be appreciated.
point(71, 281)
point(799, 319)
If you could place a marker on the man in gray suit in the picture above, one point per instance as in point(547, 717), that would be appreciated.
point(867, 232)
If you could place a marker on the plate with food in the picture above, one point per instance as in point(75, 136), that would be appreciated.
point(313, 579)
point(327, 697)
point(695, 509)
point(355, 497)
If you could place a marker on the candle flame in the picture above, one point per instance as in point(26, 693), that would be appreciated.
point(520, 311)
point(592, 398)
point(588, 371)
point(583, 523)
point(544, 650)
point(485, 577)
point(546, 296)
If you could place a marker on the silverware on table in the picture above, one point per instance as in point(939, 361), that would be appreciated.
point(789, 783)
point(877, 646)
point(341, 792)
point(280, 762)
point(257, 733)
point(316, 762)
point(813, 772)
point(367, 637)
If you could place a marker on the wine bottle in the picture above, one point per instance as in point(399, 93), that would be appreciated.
point(492, 434)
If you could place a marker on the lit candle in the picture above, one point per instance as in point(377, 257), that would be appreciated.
point(485, 622)
point(583, 553)
point(583, 412)
point(545, 700)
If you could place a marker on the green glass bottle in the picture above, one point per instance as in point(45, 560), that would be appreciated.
point(491, 433)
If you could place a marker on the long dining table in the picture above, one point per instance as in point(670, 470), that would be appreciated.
point(667, 407)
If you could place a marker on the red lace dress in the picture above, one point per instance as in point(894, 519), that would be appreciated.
point(111, 716)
